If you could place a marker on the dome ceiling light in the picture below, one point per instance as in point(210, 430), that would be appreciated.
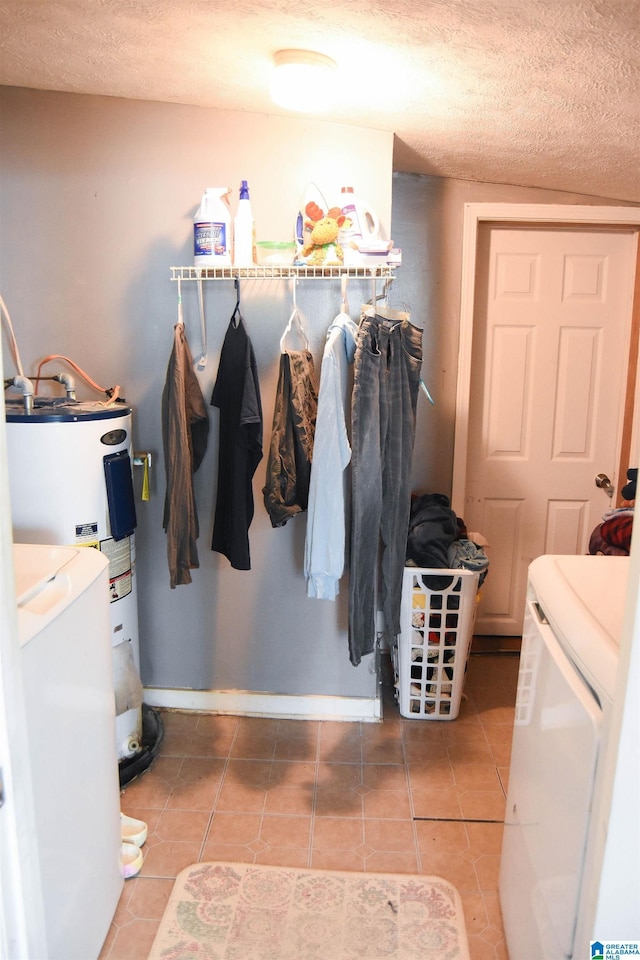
point(303, 80)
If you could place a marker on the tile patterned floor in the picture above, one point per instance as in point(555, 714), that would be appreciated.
point(408, 796)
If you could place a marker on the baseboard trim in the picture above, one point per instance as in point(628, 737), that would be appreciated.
point(246, 703)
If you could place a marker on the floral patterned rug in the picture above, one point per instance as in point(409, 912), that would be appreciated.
point(241, 911)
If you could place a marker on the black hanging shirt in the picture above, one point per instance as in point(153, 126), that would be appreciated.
point(237, 395)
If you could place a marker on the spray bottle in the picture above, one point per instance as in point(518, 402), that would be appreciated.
point(244, 231)
point(212, 229)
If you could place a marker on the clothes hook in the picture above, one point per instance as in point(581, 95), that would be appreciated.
point(236, 316)
point(202, 362)
point(180, 317)
point(343, 288)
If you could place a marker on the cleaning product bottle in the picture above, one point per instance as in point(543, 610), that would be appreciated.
point(244, 231)
point(212, 229)
point(361, 224)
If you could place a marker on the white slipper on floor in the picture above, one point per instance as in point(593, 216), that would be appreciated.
point(133, 831)
point(131, 860)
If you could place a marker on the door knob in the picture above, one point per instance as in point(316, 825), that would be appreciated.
point(603, 483)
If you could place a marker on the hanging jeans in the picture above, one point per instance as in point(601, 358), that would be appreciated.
point(286, 491)
point(386, 381)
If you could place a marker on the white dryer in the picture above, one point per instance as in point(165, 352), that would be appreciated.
point(572, 626)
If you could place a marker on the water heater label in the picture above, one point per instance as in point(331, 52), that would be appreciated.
point(87, 533)
point(118, 553)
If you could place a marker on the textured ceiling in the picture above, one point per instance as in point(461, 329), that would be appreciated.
point(537, 92)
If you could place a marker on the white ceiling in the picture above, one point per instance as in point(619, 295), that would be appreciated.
point(537, 92)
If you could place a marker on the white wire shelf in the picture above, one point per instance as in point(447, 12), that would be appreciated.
point(281, 272)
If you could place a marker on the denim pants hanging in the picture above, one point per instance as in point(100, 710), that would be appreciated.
point(383, 420)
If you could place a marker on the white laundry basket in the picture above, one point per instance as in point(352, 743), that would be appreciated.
point(430, 658)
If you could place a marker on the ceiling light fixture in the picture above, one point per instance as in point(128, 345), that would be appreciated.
point(303, 80)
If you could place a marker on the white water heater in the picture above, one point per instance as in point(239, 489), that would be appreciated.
point(70, 483)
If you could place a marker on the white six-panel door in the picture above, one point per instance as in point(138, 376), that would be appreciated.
point(548, 371)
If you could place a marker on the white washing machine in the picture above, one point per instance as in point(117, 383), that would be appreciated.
point(568, 663)
point(65, 659)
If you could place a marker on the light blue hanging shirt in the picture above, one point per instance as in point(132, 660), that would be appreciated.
point(324, 552)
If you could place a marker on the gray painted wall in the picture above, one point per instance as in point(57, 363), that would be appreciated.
point(96, 203)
